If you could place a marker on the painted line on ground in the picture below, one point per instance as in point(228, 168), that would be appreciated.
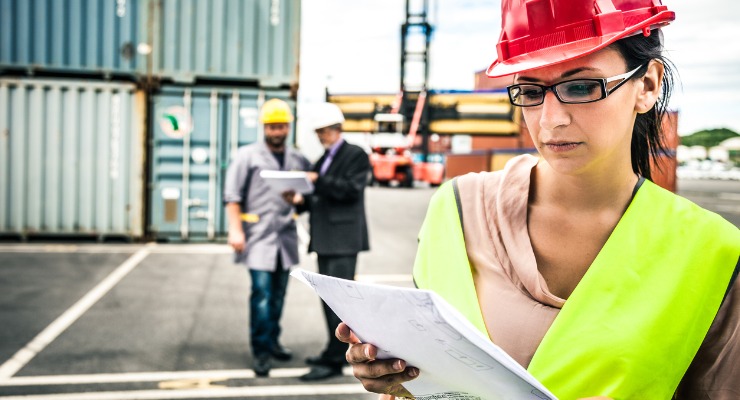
point(46, 380)
point(212, 248)
point(303, 236)
point(729, 196)
point(25, 248)
point(64, 321)
point(733, 209)
point(254, 391)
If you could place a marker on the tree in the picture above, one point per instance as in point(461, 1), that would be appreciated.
point(708, 137)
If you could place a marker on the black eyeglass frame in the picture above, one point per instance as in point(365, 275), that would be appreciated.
point(625, 77)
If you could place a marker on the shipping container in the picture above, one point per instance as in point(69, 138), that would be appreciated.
point(482, 160)
point(461, 164)
point(72, 36)
point(71, 158)
point(664, 168)
point(245, 40)
point(449, 112)
point(472, 113)
point(254, 42)
point(664, 171)
point(195, 132)
point(500, 157)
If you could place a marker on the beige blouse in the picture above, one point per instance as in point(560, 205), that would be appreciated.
point(517, 306)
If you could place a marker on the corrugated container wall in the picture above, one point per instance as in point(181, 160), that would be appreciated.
point(227, 39)
point(71, 158)
point(195, 131)
point(82, 36)
point(255, 42)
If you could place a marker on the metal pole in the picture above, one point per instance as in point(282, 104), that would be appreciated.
point(234, 124)
point(185, 206)
point(212, 167)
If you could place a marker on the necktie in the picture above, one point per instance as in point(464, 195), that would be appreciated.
point(327, 161)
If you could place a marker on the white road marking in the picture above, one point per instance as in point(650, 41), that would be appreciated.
point(734, 209)
point(729, 196)
point(30, 248)
point(152, 377)
point(221, 393)
point(202, 248)
point(51, 332)
point(303, 236)
point(182, 248)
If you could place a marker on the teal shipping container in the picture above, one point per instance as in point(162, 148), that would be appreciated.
point(71, 158)
point(249, 42)
point(195, 131)
point(240, 40)
point(88, 36)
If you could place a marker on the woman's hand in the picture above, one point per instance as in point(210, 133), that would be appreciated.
point(383, 376)
point(378, 376)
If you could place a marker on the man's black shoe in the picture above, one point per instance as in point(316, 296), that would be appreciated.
point(262, 365)
point(281, 353)
point(319, 360)
point(316, 360)
point(320, 372)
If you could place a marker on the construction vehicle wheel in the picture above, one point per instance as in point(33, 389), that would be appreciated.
point(408, 180)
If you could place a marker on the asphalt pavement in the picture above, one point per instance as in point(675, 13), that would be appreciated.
point(722, 197)
point(169, 321)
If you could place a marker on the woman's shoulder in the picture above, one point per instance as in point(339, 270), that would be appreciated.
point(684, 212)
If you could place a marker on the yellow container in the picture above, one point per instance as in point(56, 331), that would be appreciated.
point(500, 158)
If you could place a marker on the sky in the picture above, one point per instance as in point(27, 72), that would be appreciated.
point(353, 46)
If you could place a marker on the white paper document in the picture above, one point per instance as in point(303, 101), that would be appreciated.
point(455, 360)
point(283, 181)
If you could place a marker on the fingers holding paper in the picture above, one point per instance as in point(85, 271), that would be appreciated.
point(288, 196)
point(378, 376)
point(292, 197)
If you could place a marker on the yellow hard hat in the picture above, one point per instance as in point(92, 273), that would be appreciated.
point(276, 111)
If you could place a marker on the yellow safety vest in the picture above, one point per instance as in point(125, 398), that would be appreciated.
point(637, 318)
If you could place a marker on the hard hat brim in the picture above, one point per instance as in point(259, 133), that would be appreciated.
point(569, 51)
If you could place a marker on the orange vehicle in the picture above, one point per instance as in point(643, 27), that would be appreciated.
point(391, 156)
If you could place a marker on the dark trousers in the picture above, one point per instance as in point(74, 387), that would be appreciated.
point(339, 267)
point(266, 307)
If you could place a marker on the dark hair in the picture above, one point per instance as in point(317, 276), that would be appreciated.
point(648, 139)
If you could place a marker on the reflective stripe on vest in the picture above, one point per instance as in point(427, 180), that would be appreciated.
point(637, 318)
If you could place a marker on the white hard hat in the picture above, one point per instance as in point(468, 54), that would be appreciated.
point(326, 114)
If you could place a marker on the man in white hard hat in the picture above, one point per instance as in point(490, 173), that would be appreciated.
point(338, 225)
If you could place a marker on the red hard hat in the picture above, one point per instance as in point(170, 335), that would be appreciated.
point(537, 33)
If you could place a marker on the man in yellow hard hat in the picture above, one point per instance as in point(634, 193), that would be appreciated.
point(262, 229)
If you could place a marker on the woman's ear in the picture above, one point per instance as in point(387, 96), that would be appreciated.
point(649, 87)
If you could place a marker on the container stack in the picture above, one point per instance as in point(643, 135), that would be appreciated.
point(118, 119)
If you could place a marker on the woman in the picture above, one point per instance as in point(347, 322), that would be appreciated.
point(600, 283)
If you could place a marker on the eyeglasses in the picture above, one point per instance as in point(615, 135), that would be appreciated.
point(576, 91)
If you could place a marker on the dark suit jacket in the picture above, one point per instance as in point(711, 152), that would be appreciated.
point(337, 205)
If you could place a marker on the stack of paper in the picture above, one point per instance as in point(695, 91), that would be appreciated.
point(283, 181)
point(455, 360)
